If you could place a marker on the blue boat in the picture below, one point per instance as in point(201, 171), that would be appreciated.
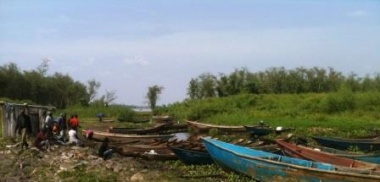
point(192, 156)
point(345, 144)
point(264, 166)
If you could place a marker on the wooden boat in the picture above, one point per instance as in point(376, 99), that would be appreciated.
point(161, 128)
point(366, 157)
point(143, 131)
point(134, 121)
point(146, 153)
point(345, 144)
point(174, 128)
point(162, 119)
point(206, 127)
point(191, 156)
point(258, 130)
point(313, 155)
point(159, 156)
point(129, 136)
point(265, 166)
point(262, 130)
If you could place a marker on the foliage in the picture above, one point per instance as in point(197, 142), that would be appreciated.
point(92, 89)
point(278, 80)
point(58, 90)
point(339, 113)
point(80, 174)
point(153, 95)
point(112, 111)
point(343, 100)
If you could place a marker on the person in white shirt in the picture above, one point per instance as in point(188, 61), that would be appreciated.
point(73, 138)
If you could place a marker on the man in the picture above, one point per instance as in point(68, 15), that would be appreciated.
point(41, 140)
point(62, 126)
point(100, 116)
point(104, 152)
point(23, 128)
point(49, 120)
point(74, 122)
point(48, 125)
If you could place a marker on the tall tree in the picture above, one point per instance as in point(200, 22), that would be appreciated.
point(92, 89)
point(43, 67)
point(153, 94)
point(110, 96)
point(207, 85)
point(194, 89)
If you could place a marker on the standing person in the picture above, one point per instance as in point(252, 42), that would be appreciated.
point(23, 128)
point(100, 116)
point(74, 122)
point(105, 152)
point(49, 119)
point(62, 126)
point(48, 125)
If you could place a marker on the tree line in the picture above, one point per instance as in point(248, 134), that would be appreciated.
point(278, 80)
point(59, 90)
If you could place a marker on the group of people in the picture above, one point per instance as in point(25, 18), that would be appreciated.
point(60, 130)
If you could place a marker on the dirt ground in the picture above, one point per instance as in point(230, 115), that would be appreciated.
point(72, 163)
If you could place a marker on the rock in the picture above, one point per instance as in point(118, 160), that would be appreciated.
point(145, 175)
point(118, 168)
point(109, 165)
point(137, 177)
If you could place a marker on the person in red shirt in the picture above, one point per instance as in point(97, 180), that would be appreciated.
point(41, 140)
point(74, 122)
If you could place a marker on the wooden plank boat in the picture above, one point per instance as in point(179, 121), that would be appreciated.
point(257, 130)
point(159, 156)
point(191, 156)
point(313, 155)
point(345, 144)
point(140, 131)
point(162, 119)
point(265, 166)
point(134, 121)
point(130, 136)
point(161, 128)
point(262, 130)
point(367, 157)
point(206, 127)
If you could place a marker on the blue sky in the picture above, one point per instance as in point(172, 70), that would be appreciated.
point(131, 45)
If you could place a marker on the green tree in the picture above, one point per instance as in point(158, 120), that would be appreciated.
point(193, 91)
point(207, 85)
point(153, 95)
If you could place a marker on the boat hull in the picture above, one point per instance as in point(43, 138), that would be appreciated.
point(192, 157)
point(265, 166)
point(345, 144)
